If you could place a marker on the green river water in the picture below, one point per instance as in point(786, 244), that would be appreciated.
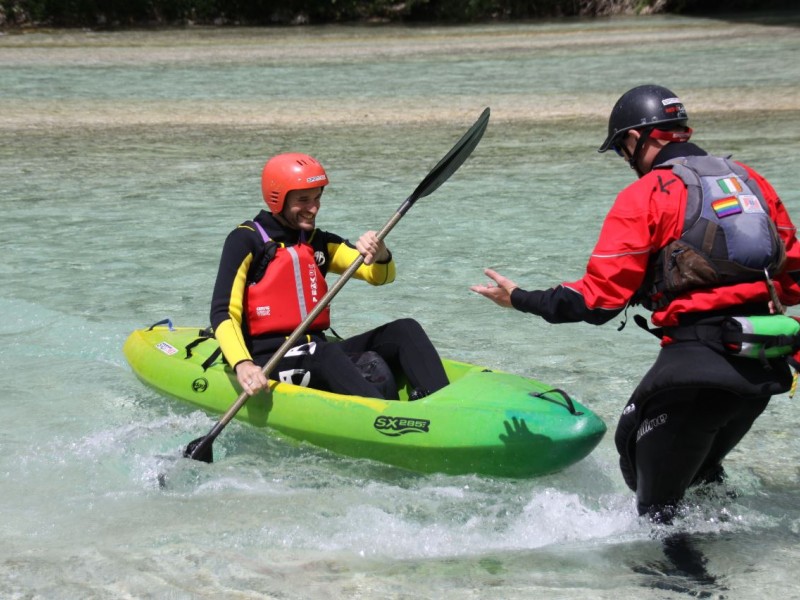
point(126, 159)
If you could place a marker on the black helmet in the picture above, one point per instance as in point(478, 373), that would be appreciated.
point(643, 107)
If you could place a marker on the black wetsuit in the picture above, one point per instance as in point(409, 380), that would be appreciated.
point(689, 411)
point(695, 403)
point(316, 361)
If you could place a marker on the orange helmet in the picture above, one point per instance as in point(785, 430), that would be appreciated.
point(286, 172)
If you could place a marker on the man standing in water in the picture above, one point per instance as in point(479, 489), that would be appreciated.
point(691, 240)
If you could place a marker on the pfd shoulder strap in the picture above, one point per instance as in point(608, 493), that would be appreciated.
point(270, 248)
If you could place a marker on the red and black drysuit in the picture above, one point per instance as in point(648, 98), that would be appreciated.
point(315, 362)
point(694, 404)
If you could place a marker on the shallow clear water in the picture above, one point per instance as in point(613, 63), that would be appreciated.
point(126, 159)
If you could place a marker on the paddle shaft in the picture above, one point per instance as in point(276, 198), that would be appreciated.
point(200, 449)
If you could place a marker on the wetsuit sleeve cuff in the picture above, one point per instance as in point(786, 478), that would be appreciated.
point(524, 300)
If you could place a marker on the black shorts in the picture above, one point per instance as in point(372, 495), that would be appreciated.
point(332, 365)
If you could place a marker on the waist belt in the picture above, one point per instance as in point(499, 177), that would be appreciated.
point(762, 337)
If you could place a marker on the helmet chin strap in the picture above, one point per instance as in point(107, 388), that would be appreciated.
point(634, 160)
point(656, 134)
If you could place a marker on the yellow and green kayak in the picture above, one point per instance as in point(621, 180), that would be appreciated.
point(486, 421)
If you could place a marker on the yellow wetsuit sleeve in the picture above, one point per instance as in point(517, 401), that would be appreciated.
point(229, 332)
point(342, 256)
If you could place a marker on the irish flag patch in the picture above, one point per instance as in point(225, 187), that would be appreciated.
point(726, 207)
point(730, 185)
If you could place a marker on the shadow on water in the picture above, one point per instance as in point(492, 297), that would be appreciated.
point(683, 569)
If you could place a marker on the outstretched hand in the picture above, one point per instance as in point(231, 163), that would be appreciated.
point(498, 292)
point(371, 248)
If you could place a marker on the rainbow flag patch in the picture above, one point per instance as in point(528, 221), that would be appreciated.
point(726, 207)
point(730, 185)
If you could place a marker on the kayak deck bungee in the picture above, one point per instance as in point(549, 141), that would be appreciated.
point(485, 422)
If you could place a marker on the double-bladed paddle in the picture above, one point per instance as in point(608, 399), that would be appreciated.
point(201, 448)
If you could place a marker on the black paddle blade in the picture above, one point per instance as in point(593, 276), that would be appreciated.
point(452, 160)
point(200, 449)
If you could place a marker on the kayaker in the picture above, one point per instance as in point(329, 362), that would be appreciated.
point(272, 271)
point(690, 240)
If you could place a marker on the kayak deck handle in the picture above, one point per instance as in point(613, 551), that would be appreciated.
point(167, 322)
point(564, 396)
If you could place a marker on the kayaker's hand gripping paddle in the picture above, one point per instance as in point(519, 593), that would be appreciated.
point(200, 449)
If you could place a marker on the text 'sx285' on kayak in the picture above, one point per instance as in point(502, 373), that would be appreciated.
point(486, 422)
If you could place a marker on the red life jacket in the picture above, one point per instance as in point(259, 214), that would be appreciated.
point(288, 291)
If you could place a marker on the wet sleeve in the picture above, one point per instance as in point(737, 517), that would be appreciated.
point(560, 305)
point(614, 272)
point(227, 302)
